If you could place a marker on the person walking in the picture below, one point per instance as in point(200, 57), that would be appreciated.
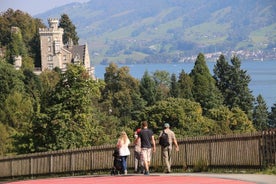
point(138, 164)
point(147, 145)
point(122, 145)
point(167, 150)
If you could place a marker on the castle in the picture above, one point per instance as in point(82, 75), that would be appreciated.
point(55, 54)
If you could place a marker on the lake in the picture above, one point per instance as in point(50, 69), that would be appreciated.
point(262, 73)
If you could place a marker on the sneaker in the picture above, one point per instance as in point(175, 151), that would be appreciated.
point(146, 173)
point(125, 172)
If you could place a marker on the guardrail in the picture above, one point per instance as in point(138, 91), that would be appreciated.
point(253, 150)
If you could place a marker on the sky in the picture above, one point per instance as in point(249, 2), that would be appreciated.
point(34, 7)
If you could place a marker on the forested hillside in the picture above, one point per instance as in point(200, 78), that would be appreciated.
point(131, 31)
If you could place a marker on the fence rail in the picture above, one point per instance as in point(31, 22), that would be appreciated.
point(254, 150)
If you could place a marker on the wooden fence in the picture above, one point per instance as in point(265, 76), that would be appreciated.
point(254, 150)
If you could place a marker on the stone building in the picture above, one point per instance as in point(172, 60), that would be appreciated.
point(55, 54)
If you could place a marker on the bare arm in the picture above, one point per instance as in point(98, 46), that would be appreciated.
point(176, 145)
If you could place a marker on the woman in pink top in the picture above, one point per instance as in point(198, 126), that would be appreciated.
point(122, 145)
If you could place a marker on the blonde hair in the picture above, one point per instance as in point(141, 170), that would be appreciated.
point(123, 137)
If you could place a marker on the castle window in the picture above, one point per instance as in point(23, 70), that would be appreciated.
point(50, 66)
point(64, 65)
point(50, 58)
point(49, 39)
point(64, 57)
point(57, 47)
point(49, 49)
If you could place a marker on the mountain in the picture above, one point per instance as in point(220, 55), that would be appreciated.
point(136, 31)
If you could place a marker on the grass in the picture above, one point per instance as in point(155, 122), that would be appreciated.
point(270, 170)
point(264, 35)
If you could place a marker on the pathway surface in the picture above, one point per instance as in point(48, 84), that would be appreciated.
point(158, 179)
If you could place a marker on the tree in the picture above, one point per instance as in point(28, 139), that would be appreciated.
point(33, 88)
point(5, 139)
point(174, 87)
point(185, 86)
point(16, 47)
point(185, 117)
point(19, 113)
point(16, 108)
point(230, 121)
point(260, 114)
point(204, 89)
point(49, 79)
point(69, 30)
point(121, 94)
point(147, 88)
point(272, 117)
point(11, 81)
point(29, 27)
point(67, 121)
point(162, 82)
point(240, 122)
point(233, 82)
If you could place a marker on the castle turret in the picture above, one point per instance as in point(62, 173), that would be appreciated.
point(51, 45)
point(53, 23)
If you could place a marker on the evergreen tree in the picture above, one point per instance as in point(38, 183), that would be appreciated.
point(222, 75)
point(69, 30)
point(272, 117)
point(233, 82)
point(174, 87)
point(185, 86)
point(148, 89)
point(204, 89)
point(260, 114)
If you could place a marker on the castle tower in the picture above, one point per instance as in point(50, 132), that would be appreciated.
point(55, 54)
point(51, 46)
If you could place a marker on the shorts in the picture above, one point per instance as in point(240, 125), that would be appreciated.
point(146, 154)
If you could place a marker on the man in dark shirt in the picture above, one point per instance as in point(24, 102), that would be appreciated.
point(147, 143)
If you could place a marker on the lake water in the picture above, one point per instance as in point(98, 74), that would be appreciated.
point(262, 73)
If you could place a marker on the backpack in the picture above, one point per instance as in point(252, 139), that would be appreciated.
point(164, 139)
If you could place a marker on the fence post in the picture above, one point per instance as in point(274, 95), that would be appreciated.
point(72, 163)
point(186, 157)
point(31, 167)
point(51, 164)
point(210, 153)
point(11, 169)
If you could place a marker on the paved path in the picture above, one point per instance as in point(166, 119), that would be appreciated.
point(157, 178)
point(256, 178)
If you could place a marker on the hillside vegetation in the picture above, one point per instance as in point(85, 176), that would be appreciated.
point(131, 31)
